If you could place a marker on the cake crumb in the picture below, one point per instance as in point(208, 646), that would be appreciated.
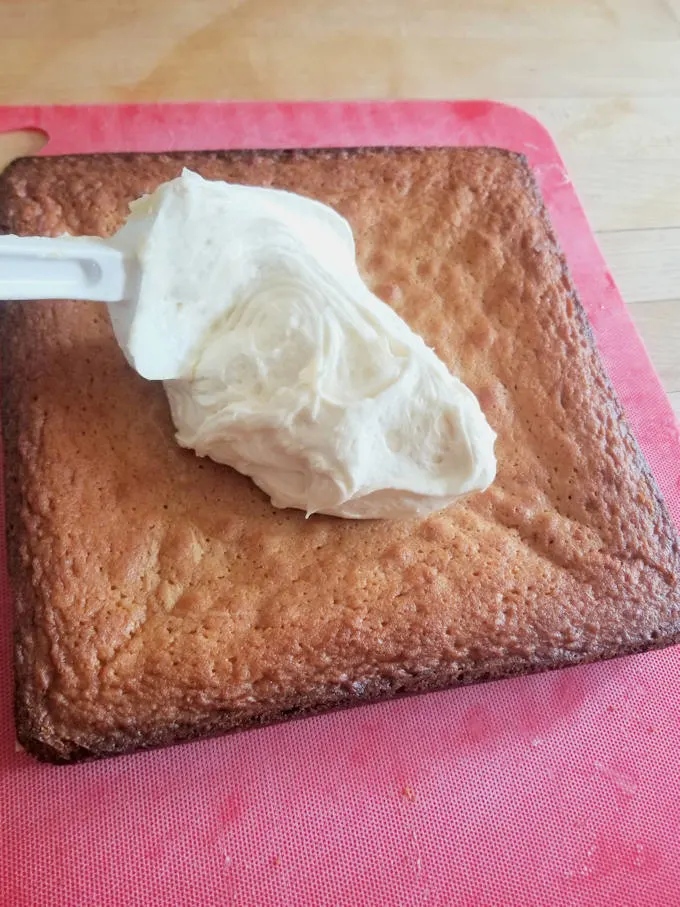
point(408, 793)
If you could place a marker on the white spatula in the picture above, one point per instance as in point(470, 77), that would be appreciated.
point(39, 267)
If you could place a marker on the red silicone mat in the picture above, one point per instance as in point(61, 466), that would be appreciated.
point(556, 789)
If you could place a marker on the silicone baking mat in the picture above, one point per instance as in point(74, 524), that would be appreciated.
point(556, 789)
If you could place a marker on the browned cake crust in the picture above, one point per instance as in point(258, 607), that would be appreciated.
point(159, 597)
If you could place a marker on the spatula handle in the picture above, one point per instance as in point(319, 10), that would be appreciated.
point(40, 267)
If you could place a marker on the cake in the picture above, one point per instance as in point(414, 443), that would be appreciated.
point(159, 597)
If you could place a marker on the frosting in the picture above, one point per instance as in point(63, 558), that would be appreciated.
point(278, 360)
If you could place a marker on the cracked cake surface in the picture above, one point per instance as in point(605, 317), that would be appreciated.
point(160, 597)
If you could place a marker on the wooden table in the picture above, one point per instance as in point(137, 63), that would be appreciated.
point(603, 75)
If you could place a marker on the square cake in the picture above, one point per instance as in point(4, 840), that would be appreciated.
point(160, 597)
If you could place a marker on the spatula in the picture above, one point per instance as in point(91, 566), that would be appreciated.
point(39, 267)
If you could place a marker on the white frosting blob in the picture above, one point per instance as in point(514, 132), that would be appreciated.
point(280, 362)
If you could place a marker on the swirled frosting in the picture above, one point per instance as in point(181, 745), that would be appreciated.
point(278, 360)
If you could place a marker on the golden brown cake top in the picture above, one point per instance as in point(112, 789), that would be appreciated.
point(161, 595)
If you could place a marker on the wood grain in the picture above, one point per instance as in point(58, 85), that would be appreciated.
point(659, 325)
point(675, 400)
point(646, 262)
point(603, 76)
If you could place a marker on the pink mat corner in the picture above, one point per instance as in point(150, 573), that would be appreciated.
point(557, 789)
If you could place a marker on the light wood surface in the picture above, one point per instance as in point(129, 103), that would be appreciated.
point(602, 75)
